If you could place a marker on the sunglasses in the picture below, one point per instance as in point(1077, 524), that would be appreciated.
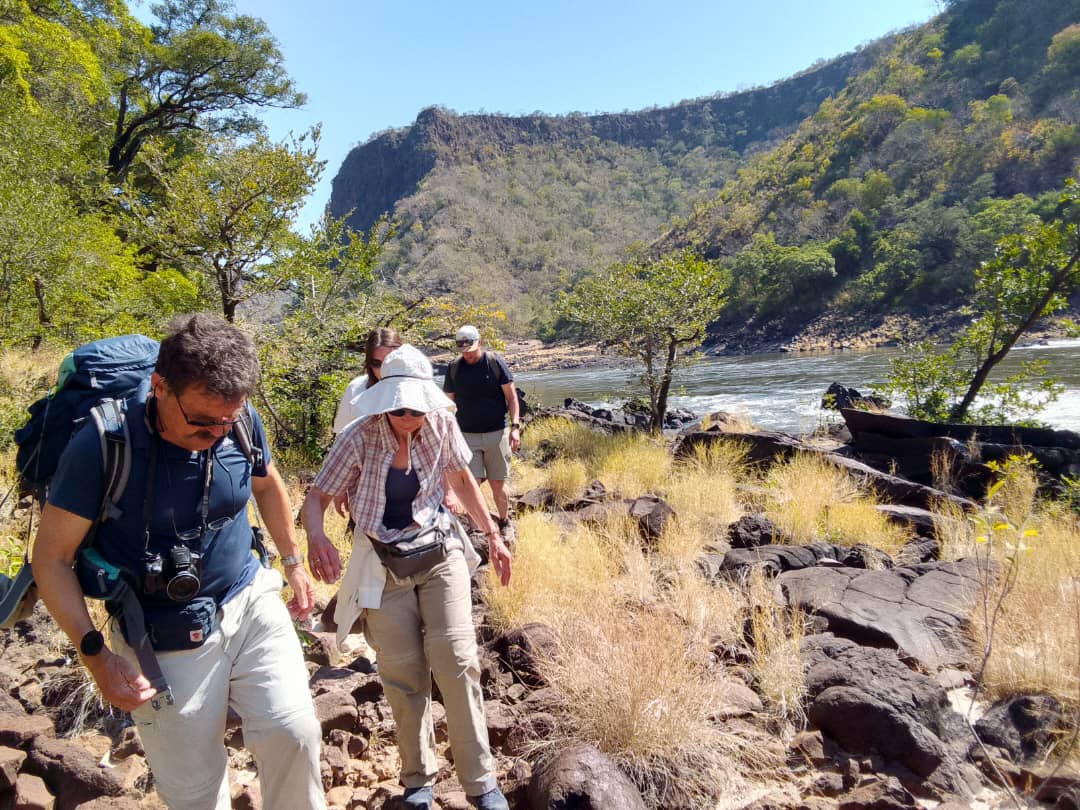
point(405, 412)
point(191, 535)
point(206, 423)
point(463, 343)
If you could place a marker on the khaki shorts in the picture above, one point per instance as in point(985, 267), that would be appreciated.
point(490, 455)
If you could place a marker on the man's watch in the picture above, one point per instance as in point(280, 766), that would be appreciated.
point(92, 643)
point(515, 425)
point(291, 560)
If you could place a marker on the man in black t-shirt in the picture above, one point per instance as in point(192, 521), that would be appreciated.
point(482, 387)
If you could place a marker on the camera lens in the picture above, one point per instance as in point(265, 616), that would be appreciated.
point(183, 587)
point(184, 583)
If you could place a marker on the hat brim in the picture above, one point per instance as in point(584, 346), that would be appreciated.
point(402, 392)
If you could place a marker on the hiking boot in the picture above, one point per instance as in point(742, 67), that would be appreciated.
point(418, 798)
point(506, 528)
point(492, 800)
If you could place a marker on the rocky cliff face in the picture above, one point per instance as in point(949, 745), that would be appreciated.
point(389, 167)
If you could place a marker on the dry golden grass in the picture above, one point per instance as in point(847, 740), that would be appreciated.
point(954, 531)
point(703, 491)
point(1028, 611)
point(776, 634)
point(633, 464)
point(569, 439)
point(567, 479)
point(526, 476)
point(13, 530)
point(814, 501)
point(554, 576)
point(641, 696)
point(634, 653)
point(711, 614)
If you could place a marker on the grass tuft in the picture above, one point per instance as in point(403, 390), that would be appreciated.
point(814, 501)
point(777, 665)
point(641, 696)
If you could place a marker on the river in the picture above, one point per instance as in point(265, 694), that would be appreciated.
point(783, 391)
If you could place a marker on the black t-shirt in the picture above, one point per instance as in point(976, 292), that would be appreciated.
point(478, 394)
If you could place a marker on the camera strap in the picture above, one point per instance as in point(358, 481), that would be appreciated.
point(151, 480)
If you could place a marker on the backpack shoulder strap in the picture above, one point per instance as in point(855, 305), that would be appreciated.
point(493, 363)
point(110, 421)
point(243, 431)
point(452, 371)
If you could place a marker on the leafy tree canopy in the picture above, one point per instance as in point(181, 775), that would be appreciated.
point(654, 310)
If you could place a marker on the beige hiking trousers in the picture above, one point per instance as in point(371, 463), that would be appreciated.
point(254, 664)
point(423, 627)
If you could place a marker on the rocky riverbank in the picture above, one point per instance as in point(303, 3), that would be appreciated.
point(831, 332)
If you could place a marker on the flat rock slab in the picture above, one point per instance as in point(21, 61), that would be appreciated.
point(919, 610)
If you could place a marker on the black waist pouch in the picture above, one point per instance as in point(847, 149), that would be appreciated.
point(415, 552)
point(179, 626)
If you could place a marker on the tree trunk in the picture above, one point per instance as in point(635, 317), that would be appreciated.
point(660, 408)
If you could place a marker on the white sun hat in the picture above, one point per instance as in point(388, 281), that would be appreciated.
point(407, 382)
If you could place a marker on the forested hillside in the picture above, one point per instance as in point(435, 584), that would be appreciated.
point(508, 210)
point(873, 184)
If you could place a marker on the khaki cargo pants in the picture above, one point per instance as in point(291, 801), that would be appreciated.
point(423, 627)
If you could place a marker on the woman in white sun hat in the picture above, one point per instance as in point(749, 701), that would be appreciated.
point(395, 462)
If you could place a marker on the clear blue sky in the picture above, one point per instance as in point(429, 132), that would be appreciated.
point(366, 67)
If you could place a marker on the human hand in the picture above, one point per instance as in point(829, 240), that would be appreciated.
point(515, 439)
point(303, 589)
point(500, 558)
point(323, 558)
point(119, 682)
point(341, 504)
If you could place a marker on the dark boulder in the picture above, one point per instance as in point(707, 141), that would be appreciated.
point(652, 514)
point(837, 396)
point(751, 531)
point(869, 702)
point(70, 771)
point(523, 650)
point(583, 778)
point(1026, 726)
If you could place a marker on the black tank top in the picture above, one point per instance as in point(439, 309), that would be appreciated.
point(401, 489)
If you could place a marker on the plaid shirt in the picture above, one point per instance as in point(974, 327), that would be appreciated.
point(359, 463)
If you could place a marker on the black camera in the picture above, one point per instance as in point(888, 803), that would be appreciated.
point(176, 574)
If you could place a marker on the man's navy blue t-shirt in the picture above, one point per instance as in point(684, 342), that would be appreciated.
point(478, 394)
point(227, 562)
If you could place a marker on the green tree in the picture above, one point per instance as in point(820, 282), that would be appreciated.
point(654, 310)
point(225, 215)
point(305, 357)
point(199, 68)
point(1031, 277)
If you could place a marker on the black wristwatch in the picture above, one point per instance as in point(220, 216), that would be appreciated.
point(92, 643)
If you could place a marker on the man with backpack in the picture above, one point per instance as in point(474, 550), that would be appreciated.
point(483, 389)
point(178, 538)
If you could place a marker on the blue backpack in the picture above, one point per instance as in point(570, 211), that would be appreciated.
point(91, 382)
point(113, 368)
